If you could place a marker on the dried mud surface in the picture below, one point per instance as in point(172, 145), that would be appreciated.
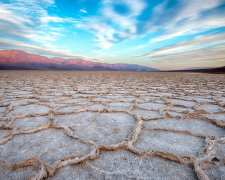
point(111, 125)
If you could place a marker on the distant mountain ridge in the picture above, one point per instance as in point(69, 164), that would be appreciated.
point(13, 59)
point(196, 68)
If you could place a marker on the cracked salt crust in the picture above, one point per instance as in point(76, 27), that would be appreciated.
point(182, 144)
point(30, 122)
point(194, 126)
point(151, 106)
point(125, 165)
point(210, 108)
point(48, 145)
point(182, 102)
point(68, 109)
point(106, 128)
point(30, 109)
point(111, 125)
point(147, 114)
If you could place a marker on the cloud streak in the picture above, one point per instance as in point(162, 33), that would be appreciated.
point(213, 56)
point(196, 43)
point(18, 45)
point(24, 19)
point(191, 17)
point(200, 51)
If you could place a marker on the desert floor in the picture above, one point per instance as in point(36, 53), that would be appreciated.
point(111, 125)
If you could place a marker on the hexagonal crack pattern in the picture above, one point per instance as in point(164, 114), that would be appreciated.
point(111, 125)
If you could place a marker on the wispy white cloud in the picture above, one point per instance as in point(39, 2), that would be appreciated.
point(196, 43)
point(193, 27)
point(189, 19)
point(127, 22)
point(213, 56)
point(28, 20)
point(192, 9)
point(48, 51)
point(83, 11)
point(110, 25)
point(102, 31)
point(12, 44)
point(46, 19)
point(198, 52)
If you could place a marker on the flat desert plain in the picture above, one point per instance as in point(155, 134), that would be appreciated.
point(111, 125)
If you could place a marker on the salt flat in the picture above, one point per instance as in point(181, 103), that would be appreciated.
point(111, 125)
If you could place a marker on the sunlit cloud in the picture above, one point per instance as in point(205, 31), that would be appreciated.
point(17, 45)
point(202, 57)
point(198, 52)
point(189, 19)
point(196, 43)
point(26, 20)
point(111, 26)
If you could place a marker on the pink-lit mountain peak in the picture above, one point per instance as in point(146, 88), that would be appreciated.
point(12, 59)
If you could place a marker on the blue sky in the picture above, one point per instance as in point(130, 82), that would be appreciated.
point(164, 34)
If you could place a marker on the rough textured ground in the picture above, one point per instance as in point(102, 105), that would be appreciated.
point(111, 125)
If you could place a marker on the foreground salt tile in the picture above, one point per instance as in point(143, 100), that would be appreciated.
point(182, 102)
point(182, 144)
point(30, 109)
point(182, 109)
point(221, 150)
point(215, 172)
point(152, 106)
point(147, 114)
point(176, 114)
point(68, 109)
point(118, 106)
point(160, 94)
point(4, 133)
point(2, 111)
point(3, 123)
point(194, 126)
point(210, 108)
point(104, 128)
point(198, 99)
point(22, 101)
point(217, 117)
point(72, 101)
point(126, 165)
point(121, 104)
point(30, 122)
point(47, 145)
point(100, 99)
point(18, 174)
point(74, 119)
point(126, 98)
point(96, 107)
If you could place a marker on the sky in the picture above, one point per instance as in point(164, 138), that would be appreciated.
point(163, 34)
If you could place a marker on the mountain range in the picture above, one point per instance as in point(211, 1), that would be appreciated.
point(13, 59)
